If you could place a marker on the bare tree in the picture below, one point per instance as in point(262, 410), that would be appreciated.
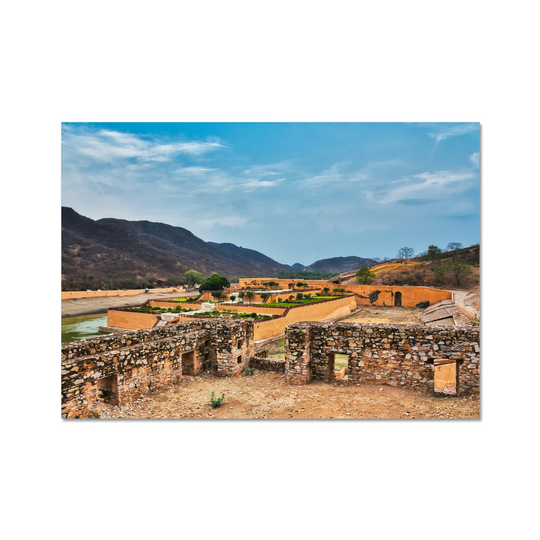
point(405, 253)
point(454, 246)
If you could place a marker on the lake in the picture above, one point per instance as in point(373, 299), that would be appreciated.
point(75, 328)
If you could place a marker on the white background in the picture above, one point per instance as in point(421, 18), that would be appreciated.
point(268, 61)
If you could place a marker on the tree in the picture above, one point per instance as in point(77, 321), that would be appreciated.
point(440, 272)
point(340, 291)
point(193, 277)
point(405, 253)
point(433, 253)
point(249, 295)
point(454, 246)
point(214, 283)
point(365, 275)
point(460, 271)
point(326, 290)
point(241, 295)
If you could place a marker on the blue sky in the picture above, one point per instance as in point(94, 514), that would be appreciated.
point(297, 192)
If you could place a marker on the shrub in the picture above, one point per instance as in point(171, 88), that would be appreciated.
point(364, 275)
point(249, 371)
point(214, 283)
point(216, 402)
point(299, 296)
point(232, 298)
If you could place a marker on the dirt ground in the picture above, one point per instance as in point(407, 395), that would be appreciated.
point(267, 395)
point(386, 315)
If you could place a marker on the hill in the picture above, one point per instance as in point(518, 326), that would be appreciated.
point(421, 272)
point(339, 265)
point(114, 253)
point(110, 253)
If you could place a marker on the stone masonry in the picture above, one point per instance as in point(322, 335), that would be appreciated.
point(401, 355)
point(115, 369)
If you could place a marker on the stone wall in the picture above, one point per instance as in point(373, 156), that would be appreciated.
point(115, 369)
point(267, 364)
point(401, 355)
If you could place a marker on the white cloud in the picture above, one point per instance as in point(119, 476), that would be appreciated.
point(426, 186)
point(111, 146)
point(331, 176)
point(446, 131)
point(475, 158)
point(256, 183)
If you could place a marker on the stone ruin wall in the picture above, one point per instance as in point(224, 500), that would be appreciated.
point(117, 368)
point(401, 355)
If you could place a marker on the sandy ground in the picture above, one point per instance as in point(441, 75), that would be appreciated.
point(75, 307)
point(267, 395)
point(386, 315)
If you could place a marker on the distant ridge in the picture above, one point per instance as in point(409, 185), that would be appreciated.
point(111, 248)
point(96, 252)
point(339, 264)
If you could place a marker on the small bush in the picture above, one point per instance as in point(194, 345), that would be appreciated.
point(216, 402)
point(249, 371)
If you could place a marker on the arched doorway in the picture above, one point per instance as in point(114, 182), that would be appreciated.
point(397, 299)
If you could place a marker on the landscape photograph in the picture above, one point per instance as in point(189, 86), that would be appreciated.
point(270, 270)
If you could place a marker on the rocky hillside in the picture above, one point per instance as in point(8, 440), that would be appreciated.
point(96, 252)
point(339, 264)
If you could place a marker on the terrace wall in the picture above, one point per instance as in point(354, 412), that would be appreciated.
point(401, 355)
point(130, 320)
point(326, 309)
point(66, 295)
point(372, 295)
point(385, 296)
point(140, 361)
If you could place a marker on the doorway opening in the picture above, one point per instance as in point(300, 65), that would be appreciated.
point(107, 390)
point(397, 299)
point(188, 363)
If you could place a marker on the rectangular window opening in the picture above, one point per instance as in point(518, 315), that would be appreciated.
point(341, 365)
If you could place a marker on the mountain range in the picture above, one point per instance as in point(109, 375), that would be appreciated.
point(111, 249)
